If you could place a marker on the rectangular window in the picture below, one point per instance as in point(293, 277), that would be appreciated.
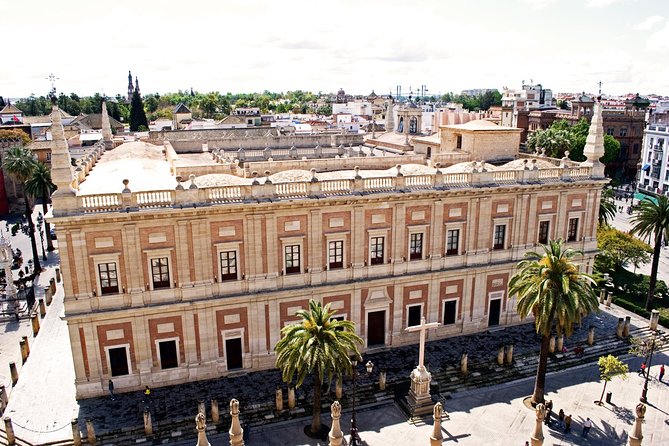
point(573, 230)
point(228, 265)
point(336, 254)
point(543, 232)
point(609, 131)
point(376, 250)
point(414, 315)
point(292, 256)
point(623, 131)
point(416, 246)
point(450, 307)
point(498, 239)
point(160, 273)
point(452, 242)
point(108, 278)
point(48, 157)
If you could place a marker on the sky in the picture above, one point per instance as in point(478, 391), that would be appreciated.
point(323, 45)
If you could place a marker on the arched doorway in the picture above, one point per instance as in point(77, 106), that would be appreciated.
point(413, 125)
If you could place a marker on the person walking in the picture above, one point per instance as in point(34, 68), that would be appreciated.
point(642, 369)
point(661, 373)
point(111, 390)
point(567, 424)
point(561, 418)
point(586, 428)
point(549, 411)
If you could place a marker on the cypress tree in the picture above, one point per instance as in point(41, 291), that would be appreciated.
point(2, 102)
point(137, 114)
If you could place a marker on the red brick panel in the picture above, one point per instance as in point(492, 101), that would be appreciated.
point(496, 282)
point(126, 339)
point(176, 333)
point(346, 307)
point(116, 248)
point(84, 352)
point(509, 213)
point(570, 202)
point(548, 209)
point(222, 326)
point(406, 300)
point(447, 211)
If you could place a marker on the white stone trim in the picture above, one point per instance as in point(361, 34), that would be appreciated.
point(443, 309)
point(155, 254)
point(106, 258)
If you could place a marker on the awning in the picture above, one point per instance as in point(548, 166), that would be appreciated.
point(646, 167)
point(639, 196)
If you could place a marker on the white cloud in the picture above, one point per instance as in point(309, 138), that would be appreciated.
point(648, 22)
point(538, 4)
point(659, 40)
point(601, 3)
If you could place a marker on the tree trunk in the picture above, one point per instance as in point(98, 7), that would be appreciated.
point(653, 271)
point(31, 227)
point(602, 395)
point(316, 417)
point(540, 381)
point(47, 226)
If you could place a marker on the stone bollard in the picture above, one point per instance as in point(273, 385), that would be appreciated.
point(278, 396)
point(636, 435)
point(3, 397)
point(609, 299)
point(236, 431)
point(201, 408)
point(509, 354)
point(339, 388)
point(90, 431)
point(500, 355)
point(537, 438)
point(52, 284)
point(42, 308)
point(24, 351)
point(551, 345)
point(602, 295)
point(654, 319)
point(463, 363)
point(291, 398)
point(148, 426)
point(591, 335)
point(620, 327)
point(437, 438)
point(560, 343)
point(76, 435)
point(9, 432)
point(14, 373)
point(201, 426)
point(48, 295)
point(335, 435)
point(58, 275)
point(215, 417)
point(35, 322)
point(382, 380)
point(25, 338)
point(626, 327)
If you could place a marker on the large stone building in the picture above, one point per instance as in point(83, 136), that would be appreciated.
point(169, 280)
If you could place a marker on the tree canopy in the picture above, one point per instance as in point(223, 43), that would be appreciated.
point(617, 248)
point(138, 119)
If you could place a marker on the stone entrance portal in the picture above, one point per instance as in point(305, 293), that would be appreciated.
point(493, 313)
point(376, 328)
point(118, 361)
point(233, 353)
point(168, 354)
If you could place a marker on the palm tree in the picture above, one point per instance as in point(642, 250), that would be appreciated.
point(318, 345)
point(652, 220)
point(551, 288)
point(607, 206)
point(39, 185)
point(19, 163)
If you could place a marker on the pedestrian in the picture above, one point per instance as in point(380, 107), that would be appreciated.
point(567, 424)
point(642, 369)
point(586, 428)
point(147, 392)
point(661, 373)
point(111, 390)
point(561, 418)
point(549, 411)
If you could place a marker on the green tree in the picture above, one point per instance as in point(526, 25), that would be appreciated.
point(39, 185)
point(2, 101)
point(550, 287)
point(19, 163)
point(617, 248)
point(137, 114)
point(609, 368)
point(317, 345)
point(611, 149)
point(652, 221)
point(15, 134)
point(607, 206)
point(151, 103)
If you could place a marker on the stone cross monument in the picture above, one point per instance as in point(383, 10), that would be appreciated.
point(419, 399)
point(236, 431)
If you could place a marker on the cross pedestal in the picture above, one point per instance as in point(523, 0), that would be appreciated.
point(419, 400)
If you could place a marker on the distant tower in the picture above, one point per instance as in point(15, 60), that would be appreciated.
point(137, 85)
point(130, 86)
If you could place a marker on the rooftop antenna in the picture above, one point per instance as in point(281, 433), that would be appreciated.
point(600, 87)
point(52, 78)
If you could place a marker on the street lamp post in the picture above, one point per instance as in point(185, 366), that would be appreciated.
point(644, 392)
point(40, 227)
point(355, 438)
